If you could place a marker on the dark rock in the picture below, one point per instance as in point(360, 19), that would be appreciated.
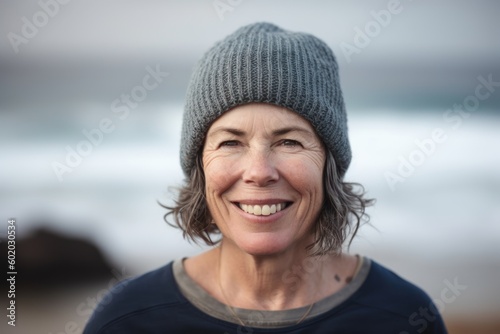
point(47, 259)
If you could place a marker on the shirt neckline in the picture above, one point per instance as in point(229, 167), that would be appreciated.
point(203, 301)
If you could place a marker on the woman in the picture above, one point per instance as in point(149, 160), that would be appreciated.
point(264, 150)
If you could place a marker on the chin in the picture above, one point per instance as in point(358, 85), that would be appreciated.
point(264, 245)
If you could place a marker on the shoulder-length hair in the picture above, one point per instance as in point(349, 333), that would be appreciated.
point(342, 213)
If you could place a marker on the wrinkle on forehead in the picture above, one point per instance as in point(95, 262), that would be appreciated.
point(279, 121)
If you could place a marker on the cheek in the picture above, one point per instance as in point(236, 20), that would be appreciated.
point(218, 181)
point(310, 187)
point(217, 176)
point(305, 177)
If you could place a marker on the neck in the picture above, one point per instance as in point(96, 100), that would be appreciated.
point(273, 282)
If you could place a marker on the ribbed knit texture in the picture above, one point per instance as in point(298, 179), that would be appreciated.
point(264, 63)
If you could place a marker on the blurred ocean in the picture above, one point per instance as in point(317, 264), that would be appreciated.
point(442, 222)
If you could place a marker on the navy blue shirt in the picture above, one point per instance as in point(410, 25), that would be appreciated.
point(152, 303)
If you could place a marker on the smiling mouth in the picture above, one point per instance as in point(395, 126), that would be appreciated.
point(263, 210)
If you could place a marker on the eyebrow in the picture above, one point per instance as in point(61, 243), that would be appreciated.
point(286, 130)
point(277, 132)
point(220, 129)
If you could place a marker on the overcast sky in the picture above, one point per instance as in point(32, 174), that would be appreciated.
point(426, 52)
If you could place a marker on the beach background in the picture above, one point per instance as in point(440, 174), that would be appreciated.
point(423, 123)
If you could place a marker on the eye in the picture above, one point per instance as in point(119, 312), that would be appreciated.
point(290, 143)
point(229, 143)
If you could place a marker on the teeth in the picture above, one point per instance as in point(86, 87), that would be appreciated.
point(262, 210)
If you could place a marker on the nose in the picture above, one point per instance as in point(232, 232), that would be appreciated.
point(259, 169)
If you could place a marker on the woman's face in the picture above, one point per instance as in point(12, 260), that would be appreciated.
point(263, 169)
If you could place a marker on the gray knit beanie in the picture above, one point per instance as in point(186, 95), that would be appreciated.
point(264, 63)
